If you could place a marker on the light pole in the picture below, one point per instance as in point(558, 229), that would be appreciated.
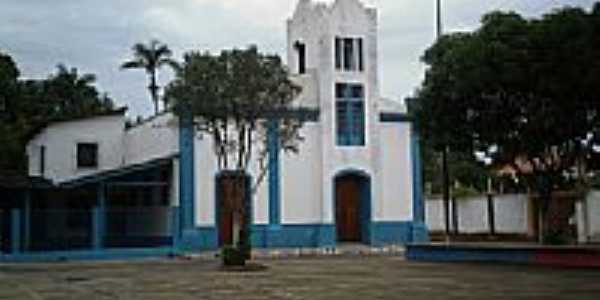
point(438, 18)
point(445, 171)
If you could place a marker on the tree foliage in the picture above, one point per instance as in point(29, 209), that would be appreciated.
point(151, 57)
point(523, 91)
point(27, 105)
point(241, 99)
point(236, 95)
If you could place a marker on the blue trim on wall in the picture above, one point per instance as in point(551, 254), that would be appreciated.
point(105, 254)
point(274, 179)
point(27, 220)
point(419, 232)
point(324, 235)
point(390, 233)
point(394, 118)
point(365, 210)
point(15, 233)
point(471, 254)
point(293, 235)
point(188, 237)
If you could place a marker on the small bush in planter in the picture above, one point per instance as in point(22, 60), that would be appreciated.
point(233, 256)
point(555, 237)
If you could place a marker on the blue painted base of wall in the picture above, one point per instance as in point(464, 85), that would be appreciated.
point(292, 236)
point(390, 233)
point(453, 253)
point(104, 254)
point(199, 238)
point(263, 236)
point(420, 233)
point(556, 256)
point(324, 235)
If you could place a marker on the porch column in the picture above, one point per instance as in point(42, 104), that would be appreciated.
point(420, 232)
point(189, 238)
point(15, 231)
point(27, 221)
point(99, 218)
point(274, 179)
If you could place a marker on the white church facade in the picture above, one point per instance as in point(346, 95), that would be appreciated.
point(356, 177)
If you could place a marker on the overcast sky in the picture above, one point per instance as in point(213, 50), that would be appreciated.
point(96, 36)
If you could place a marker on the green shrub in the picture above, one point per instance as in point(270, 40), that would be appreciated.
point(555, 237)
point(233, 256)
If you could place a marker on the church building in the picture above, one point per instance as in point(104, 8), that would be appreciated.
point(156, 185)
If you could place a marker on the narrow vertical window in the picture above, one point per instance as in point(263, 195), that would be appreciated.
point(349, 54)
point(350, 114)
point(338, 53)
point(360, 55)
point(301, 58)
point(42, 160)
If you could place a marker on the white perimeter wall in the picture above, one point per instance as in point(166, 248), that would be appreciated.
point(593, 215)
point(511, 214)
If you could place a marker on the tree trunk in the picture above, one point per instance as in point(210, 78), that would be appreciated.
point(446, 187)
point(553, 231)
point(153, 88)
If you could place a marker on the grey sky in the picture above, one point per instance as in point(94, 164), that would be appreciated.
point(96, 36)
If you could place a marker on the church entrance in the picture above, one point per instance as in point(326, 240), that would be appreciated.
point(231, 207)
point(352, 207)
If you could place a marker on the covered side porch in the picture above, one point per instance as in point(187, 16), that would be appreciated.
point(118, 213)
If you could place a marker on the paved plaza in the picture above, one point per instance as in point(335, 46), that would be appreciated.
point(356, 277)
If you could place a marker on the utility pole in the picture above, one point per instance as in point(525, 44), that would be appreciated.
point(445, 171)
point(438, 18)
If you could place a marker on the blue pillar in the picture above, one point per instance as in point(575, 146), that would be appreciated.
point(273, 230)
point(419, 231)
point(189, 238)
point(99, 218)
point(174, 214)
point(27, 221)
point(274, 179)
point(15, 231)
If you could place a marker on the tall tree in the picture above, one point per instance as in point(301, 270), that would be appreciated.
point(151, 57)
point(28, 105)
point(522, 91)
point(237, 97)
point(9, 74)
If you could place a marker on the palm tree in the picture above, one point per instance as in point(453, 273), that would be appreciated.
point(151, 57)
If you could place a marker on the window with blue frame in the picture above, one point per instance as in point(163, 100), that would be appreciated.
point(350, 114)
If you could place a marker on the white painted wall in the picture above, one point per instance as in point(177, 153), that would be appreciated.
point(206, 171)
point(301, 184)
point(155, 138)
point(386, 155)
point(60, 140)
point(397, 190)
